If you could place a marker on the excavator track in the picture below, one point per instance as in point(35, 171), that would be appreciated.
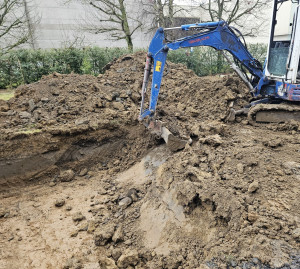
point(273, 113)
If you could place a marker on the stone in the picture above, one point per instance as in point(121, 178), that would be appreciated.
point(11, 237)
point(67, 175)
point(73, 263)
point(128, 242)
point(78, 217)
point(103, 235)
point(125, 202)
point(273, 143)
point(118, 235)
point(132, 193)
point(116, 253)
point(280, 172)
point(83, 172)
point(69, 208)
point(213, 140)
point(203, 266)
point(60, 202)
point(83, 227)
point(121, 70)
point(3, 212)
point(192, 111)
point(4, 106)
point(252, 216)
point(45, 99)
point(52, 184)
point(233, 263)
point(10, 113)
point(81, 121)
point(240, 168)
point(91, 227)
point(128, 258)
point(25, 115)
point(108, 97)
point(118, 105)
point(296, 234)
point(254, 186)
point(74, 234)
point(293, 167)
point(31, 105)
point(107, 263)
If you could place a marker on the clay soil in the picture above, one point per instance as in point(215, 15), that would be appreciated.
point(83, 184)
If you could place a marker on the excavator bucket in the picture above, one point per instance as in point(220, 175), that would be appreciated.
point(174, 143)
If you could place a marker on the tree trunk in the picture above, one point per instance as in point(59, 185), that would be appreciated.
point(160, 11)
point(219, 62)
point(171, 12)
point(125, 26)
point(29, 23)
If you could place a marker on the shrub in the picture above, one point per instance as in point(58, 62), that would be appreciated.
point(204, 60)
point(27, 66)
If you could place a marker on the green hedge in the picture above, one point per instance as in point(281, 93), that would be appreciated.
point(204, 60)
point(27, 66)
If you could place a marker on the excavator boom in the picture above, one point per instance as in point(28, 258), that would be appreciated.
point(218, 35)
point(278, 81)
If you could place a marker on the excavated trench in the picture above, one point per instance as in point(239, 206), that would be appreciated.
point(52, 154)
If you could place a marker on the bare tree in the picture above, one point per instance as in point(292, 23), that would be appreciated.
point(115, 18)
point(249, 16)
point(161, 12)
point(167, 13)
point(14, 23)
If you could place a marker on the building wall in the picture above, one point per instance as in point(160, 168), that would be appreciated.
point(61, 25)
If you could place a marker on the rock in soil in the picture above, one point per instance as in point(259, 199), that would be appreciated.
point(60, 202)
point(107, 263)
point(128, 258)
point(125, 202)
point(103, 235)
point(118, 235)
point(78, 217)
point(254, 186)
point(66, 176)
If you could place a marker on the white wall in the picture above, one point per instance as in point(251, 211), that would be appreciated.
point(60, 25)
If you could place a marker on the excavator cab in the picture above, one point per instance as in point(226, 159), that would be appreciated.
point(284, 46)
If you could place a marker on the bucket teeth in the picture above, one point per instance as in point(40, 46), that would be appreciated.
point(174, 143)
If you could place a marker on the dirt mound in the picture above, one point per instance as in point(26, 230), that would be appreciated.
point(63, 114)
point(71, 103)
point(228, 200)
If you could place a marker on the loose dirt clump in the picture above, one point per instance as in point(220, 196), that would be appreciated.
point(84, 184)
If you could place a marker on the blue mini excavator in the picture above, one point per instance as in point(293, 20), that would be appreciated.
point(274, 87)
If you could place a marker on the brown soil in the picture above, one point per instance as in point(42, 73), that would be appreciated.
point(84, 185)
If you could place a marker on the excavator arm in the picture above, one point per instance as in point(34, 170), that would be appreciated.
point(218, 35)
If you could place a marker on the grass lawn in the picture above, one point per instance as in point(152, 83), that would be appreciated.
point(6, 94)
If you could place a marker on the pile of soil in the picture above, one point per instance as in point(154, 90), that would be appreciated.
point(70, 103)
point(73, 143)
